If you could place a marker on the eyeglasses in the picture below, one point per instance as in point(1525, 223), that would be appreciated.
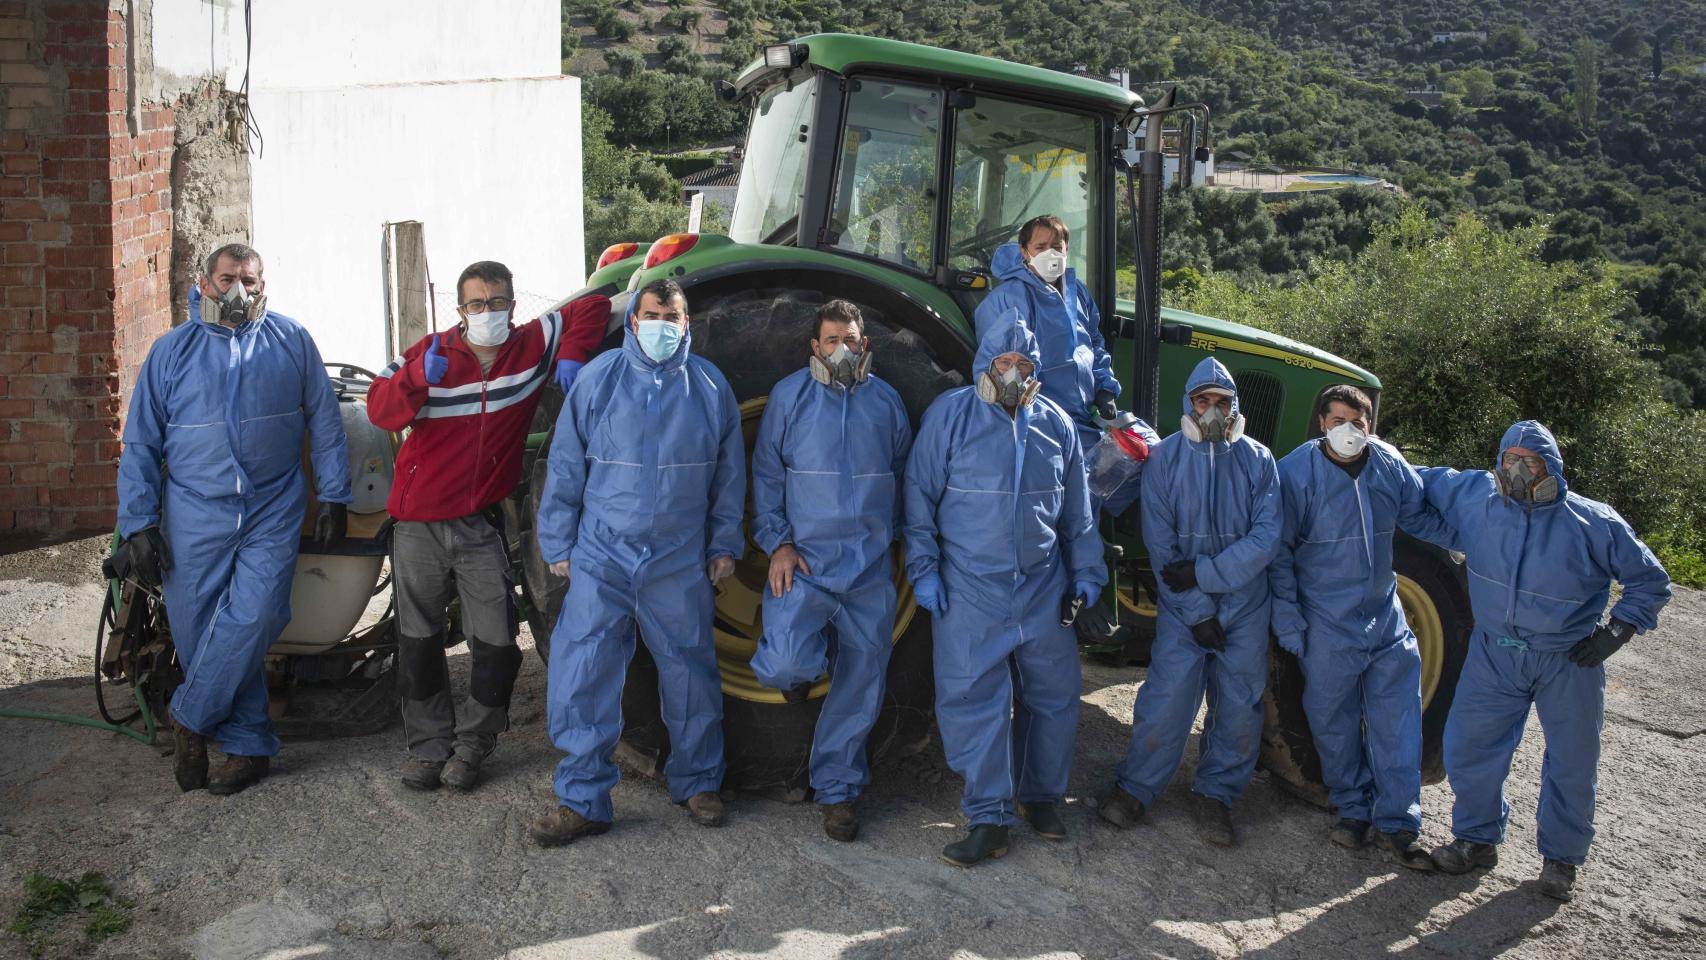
point(1534, 464)
point(475, 307)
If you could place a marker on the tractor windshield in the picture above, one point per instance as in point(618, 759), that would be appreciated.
point(774, 170)
point(1014, 161)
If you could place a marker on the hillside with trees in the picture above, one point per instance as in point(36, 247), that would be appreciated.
point(1577, 127)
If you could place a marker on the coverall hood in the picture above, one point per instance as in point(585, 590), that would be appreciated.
point(1210, 372)
point(1532, 435)
point(1007, 338)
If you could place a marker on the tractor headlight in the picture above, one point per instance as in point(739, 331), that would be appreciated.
point(782, 56)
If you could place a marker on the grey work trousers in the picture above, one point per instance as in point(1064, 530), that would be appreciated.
point(429, 560)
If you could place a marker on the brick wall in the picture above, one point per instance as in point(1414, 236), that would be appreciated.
point(85, 243)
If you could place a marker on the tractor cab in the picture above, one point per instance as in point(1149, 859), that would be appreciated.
point(909, 158)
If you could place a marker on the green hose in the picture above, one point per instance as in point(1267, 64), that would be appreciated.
point(138, 735)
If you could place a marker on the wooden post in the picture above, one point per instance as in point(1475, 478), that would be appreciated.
point(408, 286)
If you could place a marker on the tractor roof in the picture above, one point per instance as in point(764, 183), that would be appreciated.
point(842, 53)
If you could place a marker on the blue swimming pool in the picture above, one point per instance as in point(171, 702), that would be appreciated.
point(1340, 178)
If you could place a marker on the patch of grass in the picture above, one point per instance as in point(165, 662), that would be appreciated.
point(51, 907)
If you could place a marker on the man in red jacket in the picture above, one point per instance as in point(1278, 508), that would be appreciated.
point(467, 397)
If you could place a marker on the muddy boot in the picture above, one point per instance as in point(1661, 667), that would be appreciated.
point(985, 841)
point(1558, 880)
point(840, 822)
point(462, 772)
point(189, 758)
point(237, 774)
point(706, 809)
point(422, 774)
point(1045, 819)
point(1350, 834)
point(1462, 856)
point(1214, 821)
point(562, 826)
point(1401, 848)
point(1120, 808)
point(799, 694)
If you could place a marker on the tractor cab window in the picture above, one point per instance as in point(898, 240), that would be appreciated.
point(773, 175)
point(885, 183)
point(1015, 161)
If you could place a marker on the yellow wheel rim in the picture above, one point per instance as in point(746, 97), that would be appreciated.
point(1133, 602)
point(1423, 616)
point(739, 619)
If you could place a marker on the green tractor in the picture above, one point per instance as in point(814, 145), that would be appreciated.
point(887, 173)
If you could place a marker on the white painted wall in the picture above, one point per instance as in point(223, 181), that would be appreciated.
point(449, 112)
point(336, 43)
point(341, 163)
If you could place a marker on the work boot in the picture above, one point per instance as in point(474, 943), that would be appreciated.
point(1401, 848)
point(422, 774)
point(985, 841)
point(1462, 856)
point(1214, 821)
point(1348, 833)
point(706, 809)
point(799, 694)
point(462, 771)
point(237, 774)
point(1045, 819)
point(1120, 808)
point(840, 822)
point(562, 826)
point(189, 758)
point(1558, 879)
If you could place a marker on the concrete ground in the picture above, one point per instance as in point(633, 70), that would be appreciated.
point(332, 858)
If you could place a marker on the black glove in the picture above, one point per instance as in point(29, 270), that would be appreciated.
point(1209, 635)
point(330, 525)
point(141, 557)
point(1604, 641)
point(1180, 575)
point(1105, 405)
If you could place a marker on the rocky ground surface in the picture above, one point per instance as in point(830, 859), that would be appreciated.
point(332, 858)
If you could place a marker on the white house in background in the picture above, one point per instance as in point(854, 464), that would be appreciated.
point(1452, 36)
point(451, 113)
point(717, 183)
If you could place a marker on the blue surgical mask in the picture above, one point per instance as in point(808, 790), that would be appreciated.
point(659, 339)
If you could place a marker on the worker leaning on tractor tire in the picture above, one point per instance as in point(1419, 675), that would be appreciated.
point(467, 396)
point(212, 500)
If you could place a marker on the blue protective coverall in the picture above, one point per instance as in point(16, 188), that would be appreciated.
point(826, 478)
point(1074, 364)
point(1539, 579)
point(646, 484)
point(1335, 598)
point(213, 456)
point(998, 507)
point(1218, 505)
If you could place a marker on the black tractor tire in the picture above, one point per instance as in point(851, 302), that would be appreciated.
point(1288, 747)
point(755, 327)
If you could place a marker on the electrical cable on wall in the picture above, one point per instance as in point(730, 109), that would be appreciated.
point(258, 143)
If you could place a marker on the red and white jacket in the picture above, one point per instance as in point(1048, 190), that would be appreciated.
point(463, 451)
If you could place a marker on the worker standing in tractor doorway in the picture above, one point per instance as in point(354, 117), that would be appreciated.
point(467, 398)
point(1541, 563)
point(212, 503)
point(826, 507)
point(1038, 290)
point(1211, 523)
point(641, 510)
point(1002, 549)
point(1335, 607)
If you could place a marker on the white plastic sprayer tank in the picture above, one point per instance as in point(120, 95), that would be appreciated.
point(331, 591)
